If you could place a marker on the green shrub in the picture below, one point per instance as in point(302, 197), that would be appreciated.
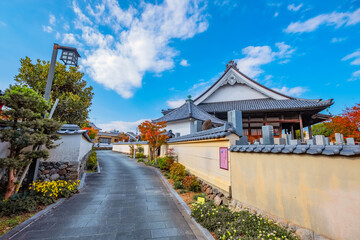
point(140, 160)
point(178, 185)
point(183, 191)
point(139, 155)
point(191, 183)
point(91, 163)
point(165, 163)
point(177, 171)
point(235, 225)
point(18, 203)
point(140, 149)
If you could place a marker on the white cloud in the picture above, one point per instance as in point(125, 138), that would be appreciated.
point(336, 40)
point(121, 125)
point(256, 56)
point(336, 19)
point(184, 63)
point(66, 27)
point(140, 42)
point(57, 35)
point(295, 91)
point(175, 103)
point(47, 29)
point(276, 14)
point(71, 39)
point(3, 24)
point(355, 76)
point(355, 56)
point(52, 19)
point(294, 8)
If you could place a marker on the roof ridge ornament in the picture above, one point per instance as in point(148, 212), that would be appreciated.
point(231, 63)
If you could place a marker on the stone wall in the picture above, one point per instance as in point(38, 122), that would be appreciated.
point(49, 170)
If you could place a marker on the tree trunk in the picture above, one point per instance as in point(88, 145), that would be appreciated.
point(155, 155)
point(23, 176)
point(10, 189)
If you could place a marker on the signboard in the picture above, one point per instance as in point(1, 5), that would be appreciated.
point(224, 162)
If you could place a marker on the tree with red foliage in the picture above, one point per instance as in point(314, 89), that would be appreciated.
point(123, 137)
point(155, 134)
point(347, 123)
point(92, 132)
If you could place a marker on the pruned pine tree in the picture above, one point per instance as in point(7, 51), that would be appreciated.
point(26, 130)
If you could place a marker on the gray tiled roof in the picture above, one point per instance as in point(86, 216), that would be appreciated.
point(189, 110)
point(265, 104)
point(329, 150)
point(127, 143)
point(110, 134)
point(72, 129)
point(219, 132)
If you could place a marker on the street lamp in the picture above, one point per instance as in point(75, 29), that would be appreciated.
point(69, 56)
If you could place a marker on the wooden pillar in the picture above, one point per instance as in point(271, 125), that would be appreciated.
point(292, 132)
point(310, 132)
point(301, 128)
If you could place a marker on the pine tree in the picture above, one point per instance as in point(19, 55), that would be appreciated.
point(26, 130)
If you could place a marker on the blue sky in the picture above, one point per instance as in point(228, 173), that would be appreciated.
point(145, 56)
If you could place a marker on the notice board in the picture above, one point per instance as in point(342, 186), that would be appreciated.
point(224, 161)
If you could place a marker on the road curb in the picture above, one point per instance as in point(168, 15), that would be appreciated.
point(185, 210)
point(19, 228)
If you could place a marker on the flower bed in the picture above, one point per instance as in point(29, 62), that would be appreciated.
point(226, 224)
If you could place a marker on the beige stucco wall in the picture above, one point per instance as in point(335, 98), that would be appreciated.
point(124, 147)
point(201, 158)
point(317, 192)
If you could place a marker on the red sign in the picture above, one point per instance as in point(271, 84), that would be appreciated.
point(224, 161)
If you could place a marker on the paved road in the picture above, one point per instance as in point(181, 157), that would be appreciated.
point(125, 201)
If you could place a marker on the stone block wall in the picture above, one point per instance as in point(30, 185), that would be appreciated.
point(52, 171)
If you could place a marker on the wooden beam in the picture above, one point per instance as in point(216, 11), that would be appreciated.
point(310, 132)
point(289, 121)
point(292, 132)
point(301, 128)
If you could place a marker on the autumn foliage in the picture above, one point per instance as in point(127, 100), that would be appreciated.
point(92, 132)
point(347, 123)
point(155, 134)
point(123, 137)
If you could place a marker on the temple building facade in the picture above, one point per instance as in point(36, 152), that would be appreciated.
point(258, 104)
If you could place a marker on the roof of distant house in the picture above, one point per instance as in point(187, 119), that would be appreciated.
point(214, 133)
point(267, 100)
point(108, 134)
point(189, 110)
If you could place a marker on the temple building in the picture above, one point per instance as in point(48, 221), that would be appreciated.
point(258, 104)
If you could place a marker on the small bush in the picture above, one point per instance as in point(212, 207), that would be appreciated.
point(177, 171)
point(91, 163)
point(139, 155)
point(191, 183)
point(178, 185)
point(140, 160)
point(165, 163)
point(140, 149)
point(55, 189)
point(183, 191)
point(18, 203)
